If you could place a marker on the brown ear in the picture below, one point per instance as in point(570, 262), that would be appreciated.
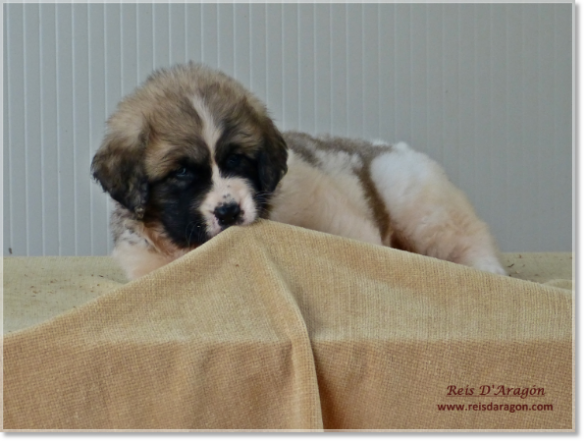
point(119, 167)
point(272, 159)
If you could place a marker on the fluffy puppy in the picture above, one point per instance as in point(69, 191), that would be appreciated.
point(191, 152)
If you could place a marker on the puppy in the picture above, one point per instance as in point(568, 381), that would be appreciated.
point(191, 152)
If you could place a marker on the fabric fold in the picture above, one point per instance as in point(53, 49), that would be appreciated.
point(212, 341)
point(274, 327)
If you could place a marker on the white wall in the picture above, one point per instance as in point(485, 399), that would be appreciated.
point(485, 89)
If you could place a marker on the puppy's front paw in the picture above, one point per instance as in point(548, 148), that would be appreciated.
point(489, 264)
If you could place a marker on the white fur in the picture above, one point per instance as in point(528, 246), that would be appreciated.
point(138, 260)
point(379, 142)
point(227, 190)
point(430, 211)
point(211, 132)
point(138, 254)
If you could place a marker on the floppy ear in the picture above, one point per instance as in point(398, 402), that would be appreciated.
point(118, 166)
point(272, 159)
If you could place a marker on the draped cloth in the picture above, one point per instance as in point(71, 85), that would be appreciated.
point(274, 327)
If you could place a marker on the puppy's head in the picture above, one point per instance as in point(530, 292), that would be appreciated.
point(191, 150)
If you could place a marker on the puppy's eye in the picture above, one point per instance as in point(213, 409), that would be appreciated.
point(183, 173)
point(234, 160)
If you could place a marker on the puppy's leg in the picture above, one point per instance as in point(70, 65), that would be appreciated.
point(430, 213)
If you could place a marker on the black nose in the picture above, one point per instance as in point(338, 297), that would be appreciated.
point(227, 214)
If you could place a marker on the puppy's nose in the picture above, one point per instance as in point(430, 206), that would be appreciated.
point(227, 214)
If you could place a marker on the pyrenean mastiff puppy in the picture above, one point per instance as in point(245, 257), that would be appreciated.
point(191, 152)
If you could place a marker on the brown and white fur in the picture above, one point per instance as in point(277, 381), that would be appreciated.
point(192, 152)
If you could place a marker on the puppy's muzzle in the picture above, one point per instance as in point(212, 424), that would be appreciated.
point(228, 214)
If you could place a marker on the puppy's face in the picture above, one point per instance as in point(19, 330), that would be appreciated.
point(193, 151)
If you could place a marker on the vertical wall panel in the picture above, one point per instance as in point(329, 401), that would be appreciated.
point(209, 34)
point(306, 51)
point(545, 111)
point(435, 114)
point(563, 134)
point(161, 34)
point(514, 165)
point(177, 42)
point(32, 79)
point(258, 50)
point(386, 73)
point(482, 91)
point(6, 185)
point(486, 89)
point(451, 73)
point(15, 121)
point(129, 47)
point(497, 200)
point(530, 90)
point(84, 146)
point(402, 71)
point(193, 40)
point(242, 43)
point(466, 94)
point(274, 40)
point(338, 76)
point(370, 66)
point(145, 39)
point(418, 74)
point(65, 149)
point(226, 37)
point(354, 63)
point(323, 68)
point(290, 66)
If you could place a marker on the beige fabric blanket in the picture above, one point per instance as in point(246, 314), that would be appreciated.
point(276, 327)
